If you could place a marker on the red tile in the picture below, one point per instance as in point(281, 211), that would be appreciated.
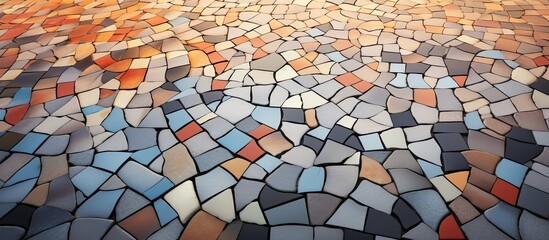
point(65, 89)
point(188, 131)
point(505, 191)
point(251, 151)
point(104, 61)
point(261, 131)
point(449, 229)
point(541, 61)
point(15, 114)
point(42, 96)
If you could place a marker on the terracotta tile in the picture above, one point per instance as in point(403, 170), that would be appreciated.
point(449, 229)
point(505, 191)
point(261, 131)
point(142, 223)
point(65, 89)
point(251, 151)
point(348, 79)
point(426, 97)
point(188, 131)
point(203, 226)
point(15, 114)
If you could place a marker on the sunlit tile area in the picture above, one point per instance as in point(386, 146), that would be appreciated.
point(274, 119)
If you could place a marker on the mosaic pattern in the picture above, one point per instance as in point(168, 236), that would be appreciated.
point(286, 119)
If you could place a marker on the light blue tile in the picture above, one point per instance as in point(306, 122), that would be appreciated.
point(115, 121)
point(268, 162)
point(473, 121)
point(110, 161)
point(164, 212)
point(494, 54)
point(397, 67)
point(399, 80)
point(30, 143)
point(511, 64)
point(2, 114)
point(178, 119)
point(186, 83)
point(446, 82)
point(430, 170)
point(371, 142)
point(29, 171)
point(178, 21)
point(320, 132)
point(22, 96)
point(417, 81)
point(336, 57)
point(234, 140)
point(511, 172)
point(90, 179)
point(146, 156)
point(311, 180)
point(268, 116)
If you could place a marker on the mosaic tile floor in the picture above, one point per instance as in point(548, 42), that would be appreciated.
point(274, 119)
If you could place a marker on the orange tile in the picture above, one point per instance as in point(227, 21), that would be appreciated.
point(132, 78)
point(460, 80)
point(348, 79)
point(220, 67)
point(156, 20)
point(363, 86)
point(459, 179)
point(42, 96)
point(251, 151)
point(12, 33)
point(240, 40)
point(426, 97)
point(257, 42)
point(188, 131)
point(119, 66)
point(219, 84)
point(215, 57)
point(198, 58)
point(104, 61)
point(259, 53)
point(300, 63)
point(236, 166)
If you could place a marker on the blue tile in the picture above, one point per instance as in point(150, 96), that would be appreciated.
point(446, 82)
point(29, 171)
point(2, 114)
point(22, 96)
point(511, 171)
point(511, 64)
point(473, 121)
point(159, 188)
point(92, 109)
point(184, 93)
point(90, 179)
point(147, 155)
point(110, 161)
point(268, 116)
point(371, 142)
point(30, 143)
point(164, 211)
point(100, 205)
point(234, 140)
point(178, 119)
point(178, 21)
point(311, 180)
point(268, 162)
point(115, 121)
point(430, 170)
